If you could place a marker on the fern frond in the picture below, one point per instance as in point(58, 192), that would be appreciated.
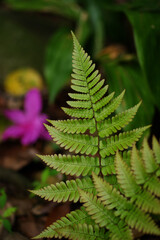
point(79, 216)
point(116, 123)
point(110, 108)
point(96, 88)
point(75, 125)
point(62, 192)
point(98, 95)
point(138, 167)
point(120, 142)
point(72, 165)
point(107, 194)
point(148, 158)
point(142, 198)
point(134, 216)
point(141, 221)
point(107, 166)
point(149, 182)
point(127, 198)
point(91, 78)
point(95, 81)
point(156, 149)
point(77, 64)
point(84, 232)
point(104, 101)
point(75, 142)
point(84, 71)
point(105, 217)
point(153, 185)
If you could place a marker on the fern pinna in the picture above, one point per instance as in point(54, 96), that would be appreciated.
point(93, 135)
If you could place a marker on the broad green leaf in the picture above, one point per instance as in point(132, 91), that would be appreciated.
point(142, 5)
point(146, 29)
point(95, 15)
point(58, 63)
point(67, 8)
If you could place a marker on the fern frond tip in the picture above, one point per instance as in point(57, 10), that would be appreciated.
point(39, 155)
point(36, 237)
point(46, 126)
point(72, 33)
point(138, 104)
point(146, 127)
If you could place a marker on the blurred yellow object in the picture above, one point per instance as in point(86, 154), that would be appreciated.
point(21, 81)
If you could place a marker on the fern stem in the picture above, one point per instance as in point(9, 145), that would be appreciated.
point(98, 153)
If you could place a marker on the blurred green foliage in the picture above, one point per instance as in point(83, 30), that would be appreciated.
point(57, 69)
point(146, 28)
point(135, 25)
point(6, 212)
point(23, 39)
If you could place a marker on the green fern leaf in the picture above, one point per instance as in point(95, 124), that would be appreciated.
point(105, 217)
point(120, 142)
point(149, 182)
point(79, 89)
point(76, 217)
point(79, 113)
point(62, 192)
point(138, 167)
point(73, 165)
point(96, 88)
point(74, 142)
point(113, 124)
point(92, 78)
point(108, 195)
point(79, 82)
point(95, 81)
point(98, 95)
point(153, 185)
point(107, 166)
point(142, 198)
point(75, 125)
point(110, 108)
point(156, 149)
point(148, 158)
point(79, 96)
point(101, 103)
point(93, 133)
point(134, 216)
point(79, 104)
point(84, 232)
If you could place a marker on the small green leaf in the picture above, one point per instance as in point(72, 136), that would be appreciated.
point(7, 225)
point(8, 212)
point(3, 198)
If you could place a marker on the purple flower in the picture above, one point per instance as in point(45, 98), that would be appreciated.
point(28, 124)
